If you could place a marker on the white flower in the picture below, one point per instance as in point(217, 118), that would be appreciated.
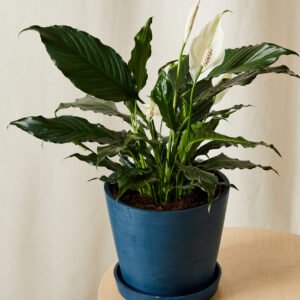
point(190, 20)
point(207, 50)
point(152, 110)
point(216, 81)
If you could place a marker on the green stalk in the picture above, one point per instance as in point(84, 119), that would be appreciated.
point(169, 166)
point(140, 163)
point(191, 106)
point(143, 163)
point(177, 76)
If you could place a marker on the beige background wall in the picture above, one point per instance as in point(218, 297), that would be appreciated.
point(55, 239)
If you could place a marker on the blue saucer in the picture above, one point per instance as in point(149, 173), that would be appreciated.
point(131, 294)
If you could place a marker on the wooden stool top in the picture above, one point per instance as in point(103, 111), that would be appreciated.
point(257, 264)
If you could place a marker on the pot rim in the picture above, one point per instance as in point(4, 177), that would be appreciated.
point(200, 207)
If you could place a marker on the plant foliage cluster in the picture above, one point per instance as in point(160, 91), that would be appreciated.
point(162, 167)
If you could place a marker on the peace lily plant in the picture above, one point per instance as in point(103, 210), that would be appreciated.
point(163, 168)
point(158, 171)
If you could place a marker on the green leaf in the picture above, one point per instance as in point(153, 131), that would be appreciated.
point(108, 151)
point(212, 145)
point(184, 75)
point(203, 179)
point(134, 179)
point(112, 179)
point(162, 95)
point(216, 116)
point(140, 54)
point(224, 162)
point(132, 145)
point(225, 113)
point(242, 79)
point(68, 129)
point(90, 103)
point(202, 132)
point(214, 136)
point(228, 184)
point(201, 107)
point(92, 159)
point(93, 67)
point(250, 58)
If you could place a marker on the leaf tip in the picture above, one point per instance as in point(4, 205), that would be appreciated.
point(275, 150)
point(11, 123)
point(33, 27)
point(57, 110)
point(69, 156)
point(227, 11)
point(140, 100)
point(278, 152)
point(92, 179)
point(234, 187)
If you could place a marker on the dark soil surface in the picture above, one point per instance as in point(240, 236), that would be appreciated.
point(196, 198)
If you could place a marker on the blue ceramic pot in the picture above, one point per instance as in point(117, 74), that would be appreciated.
point(167, 253)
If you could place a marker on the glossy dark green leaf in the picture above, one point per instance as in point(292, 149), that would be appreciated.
point(242, 79)
point(203, 135)
point(90, 103)
point(134, 179)
point(222, 161)
point(112, 179)
point(93, 67)
point(187, 149)
point(212, 145)
point(250, 58)
point(131, 145)
point(205, 180)
point(162, 95)
point(92, 159)
point(200, 133)
point(184, 77)
point(226, 113)
point(140, 54)
point(228, 184)
point(108, 151)
point(202, 86)
point(68, 129)
point(201, 107)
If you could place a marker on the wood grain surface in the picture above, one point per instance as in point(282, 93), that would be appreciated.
point(257, 264)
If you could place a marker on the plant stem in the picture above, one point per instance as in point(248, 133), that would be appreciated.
point(177, 76)
point(191, 104)
point(168, 165)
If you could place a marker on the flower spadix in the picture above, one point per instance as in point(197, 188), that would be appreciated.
point(207, 49)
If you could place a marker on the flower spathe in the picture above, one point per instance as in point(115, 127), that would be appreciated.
point(207, 50)
point(221, 95)
point(190, 20)
point(151, 110)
